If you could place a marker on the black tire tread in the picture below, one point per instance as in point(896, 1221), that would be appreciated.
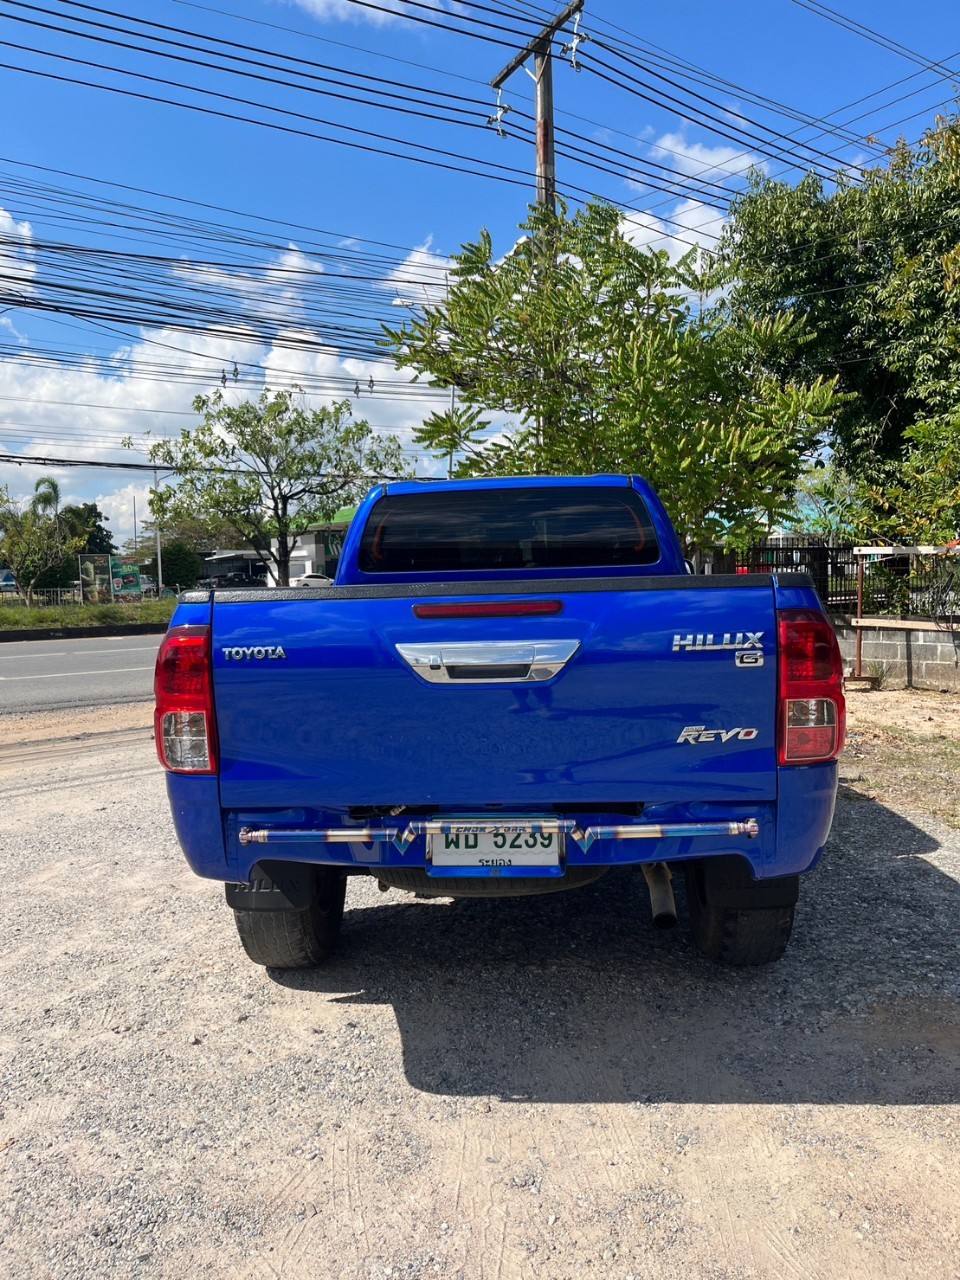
point(741, 938)
point(295, 939)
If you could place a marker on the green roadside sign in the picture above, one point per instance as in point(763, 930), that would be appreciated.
point(125, 576)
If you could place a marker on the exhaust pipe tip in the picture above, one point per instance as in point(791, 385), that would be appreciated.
point(665, 920)
point(662, 902)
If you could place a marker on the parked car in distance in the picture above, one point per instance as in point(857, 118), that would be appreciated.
point(232, 582)
point(312, 580)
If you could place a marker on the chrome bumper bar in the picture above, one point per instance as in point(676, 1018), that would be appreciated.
point(402, 839)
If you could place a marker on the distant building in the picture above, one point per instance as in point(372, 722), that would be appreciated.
point(234, 565)
point(318, 549)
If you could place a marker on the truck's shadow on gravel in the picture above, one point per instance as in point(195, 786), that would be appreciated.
point(576, 998)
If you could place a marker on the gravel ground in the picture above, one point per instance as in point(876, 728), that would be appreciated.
point(506, 1090)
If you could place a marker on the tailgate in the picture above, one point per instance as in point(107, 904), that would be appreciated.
point(668, 694)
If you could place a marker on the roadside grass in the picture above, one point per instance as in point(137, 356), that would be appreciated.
point(15, 618)
point(910, 771)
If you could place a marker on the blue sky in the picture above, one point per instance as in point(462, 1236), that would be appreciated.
point(674, 102)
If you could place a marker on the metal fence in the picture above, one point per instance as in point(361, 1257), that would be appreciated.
point(46, 596)
point(900, 585)
point(54, 596)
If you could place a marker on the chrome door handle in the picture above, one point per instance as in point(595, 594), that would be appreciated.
point(489, 661)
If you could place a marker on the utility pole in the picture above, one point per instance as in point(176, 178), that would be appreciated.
point(156, 485)
point(539, 49)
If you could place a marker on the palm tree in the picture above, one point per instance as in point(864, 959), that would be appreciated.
point(46, 497)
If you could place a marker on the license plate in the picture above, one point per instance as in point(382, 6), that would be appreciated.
point(484, 845)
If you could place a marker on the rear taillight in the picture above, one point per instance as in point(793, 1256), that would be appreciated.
point(183, 686)
point(812, 711)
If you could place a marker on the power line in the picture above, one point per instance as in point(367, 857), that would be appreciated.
point(30, 460)
point(875, 37)
point(639, 166)
point(338, 236)
point(765, 146)
point(678, 187)
point(228, 46)
point(664, 58)
point(502, 176)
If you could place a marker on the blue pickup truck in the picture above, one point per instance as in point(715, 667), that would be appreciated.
point(513, 686)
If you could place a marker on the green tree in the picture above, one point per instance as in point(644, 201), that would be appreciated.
point(270, 468)
point(189, 529)
point(31, 542)
point(82, 520)
point(85, 519)
point(182, 566)
point(872, 270)
point(918, 503)
point(596, 347)
point(828, 503)
point(46, 496)
point(453, 432)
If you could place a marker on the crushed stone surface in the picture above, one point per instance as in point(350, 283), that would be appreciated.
point(535, 1089)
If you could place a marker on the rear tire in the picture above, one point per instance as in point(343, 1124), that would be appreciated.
point(296, 939)
point(739, 936)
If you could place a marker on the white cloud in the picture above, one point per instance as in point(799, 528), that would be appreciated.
point(7, 323)
point(345, 11)
point(44, 410)
point(689, 224)
point(277, 288)
point(17, 268)
point(118, 507)
point(84, 411)
point(420, 279)
point(697, 160)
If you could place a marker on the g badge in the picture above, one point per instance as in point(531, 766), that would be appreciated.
point(749, 658)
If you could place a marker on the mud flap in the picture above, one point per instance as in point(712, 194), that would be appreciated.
point(274, 886)
point(729, 886)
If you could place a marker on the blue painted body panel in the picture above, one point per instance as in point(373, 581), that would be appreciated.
point(198, 822)
point(342, 722)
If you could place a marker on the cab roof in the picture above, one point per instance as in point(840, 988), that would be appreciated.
point(504, 482)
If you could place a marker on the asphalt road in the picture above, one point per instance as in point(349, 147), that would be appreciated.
point(50, 674)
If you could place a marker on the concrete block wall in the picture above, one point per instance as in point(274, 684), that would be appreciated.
point(914, 656)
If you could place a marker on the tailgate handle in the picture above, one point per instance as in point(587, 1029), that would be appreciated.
point(489, 661)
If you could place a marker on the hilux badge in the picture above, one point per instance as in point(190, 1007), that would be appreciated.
point(707, 643)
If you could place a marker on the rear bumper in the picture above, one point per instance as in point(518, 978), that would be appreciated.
point(776, 838)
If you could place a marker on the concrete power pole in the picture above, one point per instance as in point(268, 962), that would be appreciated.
point(539, 49)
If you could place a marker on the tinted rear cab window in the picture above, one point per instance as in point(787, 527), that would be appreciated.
point(503, 529)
